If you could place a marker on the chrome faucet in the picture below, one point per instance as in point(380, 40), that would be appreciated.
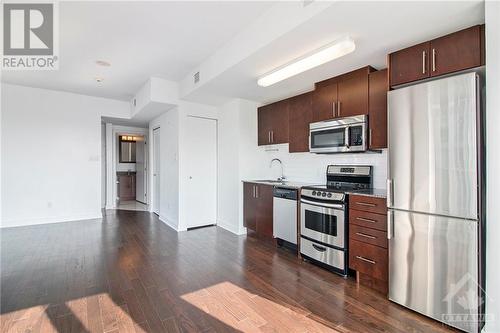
point(282, 178)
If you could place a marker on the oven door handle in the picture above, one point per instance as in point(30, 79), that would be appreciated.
point(319, 248)
point(321, 204)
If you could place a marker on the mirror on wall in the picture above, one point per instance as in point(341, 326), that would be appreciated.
point(127, 148)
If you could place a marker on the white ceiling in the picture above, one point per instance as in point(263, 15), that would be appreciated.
point(377, 28)
point(139, 39)
point(171, 39)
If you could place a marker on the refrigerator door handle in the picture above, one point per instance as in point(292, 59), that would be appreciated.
point(389, 192)
point(390, 222)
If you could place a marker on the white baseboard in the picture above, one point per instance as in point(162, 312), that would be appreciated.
point(231, 228)
point(168, 222)
point(49, 220)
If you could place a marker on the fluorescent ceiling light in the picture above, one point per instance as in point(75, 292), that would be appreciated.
point(319, 57)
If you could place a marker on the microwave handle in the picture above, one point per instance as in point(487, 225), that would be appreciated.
point(347, 130)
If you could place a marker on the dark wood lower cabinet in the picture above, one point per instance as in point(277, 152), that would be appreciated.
point(249, 206)
point(258, 208)
point(368, 244)
point(265, 210)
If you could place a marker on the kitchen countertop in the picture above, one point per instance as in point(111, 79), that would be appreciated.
point(370, 192)
point(286, 184)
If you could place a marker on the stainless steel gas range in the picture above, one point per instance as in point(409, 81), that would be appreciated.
point(323, 216)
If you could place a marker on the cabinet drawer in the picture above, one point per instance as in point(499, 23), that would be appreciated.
point(369, 236)
point(368, 259)
point(368, 204)
point(367, 219)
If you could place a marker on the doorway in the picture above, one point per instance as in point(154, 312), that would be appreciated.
point(156, 171)
point(131, 175)
point(201, 167)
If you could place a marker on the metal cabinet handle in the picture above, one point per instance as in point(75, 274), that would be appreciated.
point(423, 62)
point(365, 220)
point(370, 138)
point(338, 108)
point(366, 260)
point(253, 191)
point(365, 204)
point(433, 60)
point(365, 235)
point(272, 136)
point(269, 136)
point(334, 110)
point(256, 191)
point(347, 137)
point(319, 248)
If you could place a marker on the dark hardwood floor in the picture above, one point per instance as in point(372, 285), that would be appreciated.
point(131, 273)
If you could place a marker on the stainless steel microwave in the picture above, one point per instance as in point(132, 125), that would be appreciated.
point(343, 135)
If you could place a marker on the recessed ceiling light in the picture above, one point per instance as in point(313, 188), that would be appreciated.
point(98, 79)
point(318, 57)
point(102, 63)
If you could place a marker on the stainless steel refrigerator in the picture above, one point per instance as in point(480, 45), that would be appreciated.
point(434, 199)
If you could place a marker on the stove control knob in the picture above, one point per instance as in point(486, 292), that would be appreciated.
point(329, 195)
point(314, 193)
point(323, 194)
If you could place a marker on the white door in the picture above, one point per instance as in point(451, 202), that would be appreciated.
point(140, 165)
point(156, 171)
point(201, 158)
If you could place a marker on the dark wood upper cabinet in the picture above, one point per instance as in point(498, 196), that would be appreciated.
point(377, 115)
point(263, 123)
point(410, 64)
point(342, 96)
point(457, 51)
point(300, 116)
point(353, 96)
point(273, 123)
point(324, 102)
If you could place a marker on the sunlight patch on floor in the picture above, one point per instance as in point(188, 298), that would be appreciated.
point(70, 316)
point(247, 312)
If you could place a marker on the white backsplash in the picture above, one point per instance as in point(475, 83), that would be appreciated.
point(307, 167)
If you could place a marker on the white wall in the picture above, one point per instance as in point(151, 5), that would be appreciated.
point(241, 159)
point(51, 154)
point(492, 163)
point(173, 177)
point(169, 166)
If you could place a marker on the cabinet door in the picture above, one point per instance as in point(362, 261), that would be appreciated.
point(324, 102)
point(409, 64)
point(264, 124)
point(126, 191)
point(265, 210)
point(353, 96)
point(249, 206)
point(279, 122)
point(377, 106)
point(457, 51)
point(300, 116)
